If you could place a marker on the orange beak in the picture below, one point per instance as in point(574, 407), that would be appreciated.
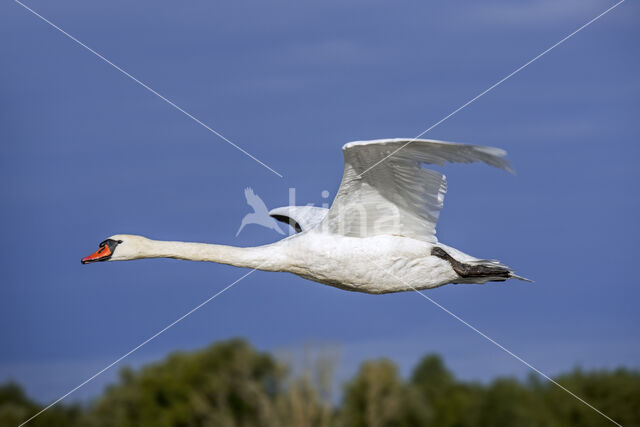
point(101, 254)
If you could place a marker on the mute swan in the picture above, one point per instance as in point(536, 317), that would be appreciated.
point(377, 237)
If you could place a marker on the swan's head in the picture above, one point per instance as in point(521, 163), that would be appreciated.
point(120, 247)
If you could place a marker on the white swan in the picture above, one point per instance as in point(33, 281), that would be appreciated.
point(378, 236)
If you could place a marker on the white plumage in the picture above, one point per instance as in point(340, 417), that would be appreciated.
point(396, 194)
point(378, 236)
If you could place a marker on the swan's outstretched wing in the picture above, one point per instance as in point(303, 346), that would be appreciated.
point(397, 195)
point(302, 218)
point(255, 201)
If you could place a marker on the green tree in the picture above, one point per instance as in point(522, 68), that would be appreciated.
point(375, 397)
point(508, 402)
point(453, 403)
point(615, 393)
point(16, 407)
point(232, 384)
point(228, 384)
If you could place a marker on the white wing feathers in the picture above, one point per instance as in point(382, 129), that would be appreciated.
point(398, 196)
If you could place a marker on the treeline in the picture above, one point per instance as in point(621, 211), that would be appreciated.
point(232, 384)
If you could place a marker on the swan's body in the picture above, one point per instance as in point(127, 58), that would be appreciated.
point(378, 236)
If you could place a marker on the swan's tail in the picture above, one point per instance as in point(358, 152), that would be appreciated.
point(524, 279)
point(504, 272)
point(496, 271)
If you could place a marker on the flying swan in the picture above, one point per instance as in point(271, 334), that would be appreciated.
point(379, 235)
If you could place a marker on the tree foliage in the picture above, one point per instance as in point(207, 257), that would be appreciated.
point(232, 384)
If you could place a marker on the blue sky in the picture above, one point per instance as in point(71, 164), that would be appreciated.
point(87, 153)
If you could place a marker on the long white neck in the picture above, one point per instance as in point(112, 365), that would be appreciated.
point(268, 257)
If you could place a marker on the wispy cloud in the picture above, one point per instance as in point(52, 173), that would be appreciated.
point(533, 13)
